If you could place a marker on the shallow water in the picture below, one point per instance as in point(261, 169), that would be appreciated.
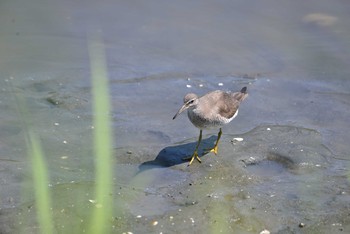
point(292, 166)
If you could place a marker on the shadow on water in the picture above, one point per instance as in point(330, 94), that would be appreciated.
point(173, 155)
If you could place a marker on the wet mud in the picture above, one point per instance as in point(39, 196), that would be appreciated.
point(283, 162)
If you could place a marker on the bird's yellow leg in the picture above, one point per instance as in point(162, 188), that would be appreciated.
point(195, 153)
point(215, 149)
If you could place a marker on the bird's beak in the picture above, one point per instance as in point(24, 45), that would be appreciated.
point(184, 107)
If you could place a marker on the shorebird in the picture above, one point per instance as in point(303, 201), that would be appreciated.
point(214, 109)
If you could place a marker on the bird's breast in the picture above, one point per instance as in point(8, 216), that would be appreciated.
point(205, 121)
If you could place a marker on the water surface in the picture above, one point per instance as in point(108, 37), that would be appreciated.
point(292, 166)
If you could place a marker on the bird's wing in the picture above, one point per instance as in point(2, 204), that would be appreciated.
point(240, 96)
point(228, 106)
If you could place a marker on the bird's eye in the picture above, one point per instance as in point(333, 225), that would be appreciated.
point(191, 101)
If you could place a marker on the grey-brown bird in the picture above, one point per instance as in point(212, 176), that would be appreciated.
point(212, 110)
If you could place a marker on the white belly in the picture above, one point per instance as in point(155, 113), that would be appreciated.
point(211, 121)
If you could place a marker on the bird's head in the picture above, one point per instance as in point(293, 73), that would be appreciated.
point(190, 100)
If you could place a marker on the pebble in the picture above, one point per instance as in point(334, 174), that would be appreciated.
point(301, 225)
point(155, 223)
point(265, 232)
point(238, 138)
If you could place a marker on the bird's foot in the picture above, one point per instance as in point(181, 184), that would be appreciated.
point(213, 150)
point(194, 156)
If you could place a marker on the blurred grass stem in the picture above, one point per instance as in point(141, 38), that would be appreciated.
point(102, 215)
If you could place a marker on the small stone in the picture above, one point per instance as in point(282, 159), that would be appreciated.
point(220, 84)
point(188, 86)
point(129, 152)
point(265, 232)
point(238, 139)
point(155, 223)
point(301, 225)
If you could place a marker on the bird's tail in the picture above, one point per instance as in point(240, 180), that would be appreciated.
point(240, 96)
point(244, 90)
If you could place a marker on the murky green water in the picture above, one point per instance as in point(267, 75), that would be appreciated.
point(292, 166)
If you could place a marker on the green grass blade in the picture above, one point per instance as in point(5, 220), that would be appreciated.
point(102, 139)
point(39, 169)
point(40, 182)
